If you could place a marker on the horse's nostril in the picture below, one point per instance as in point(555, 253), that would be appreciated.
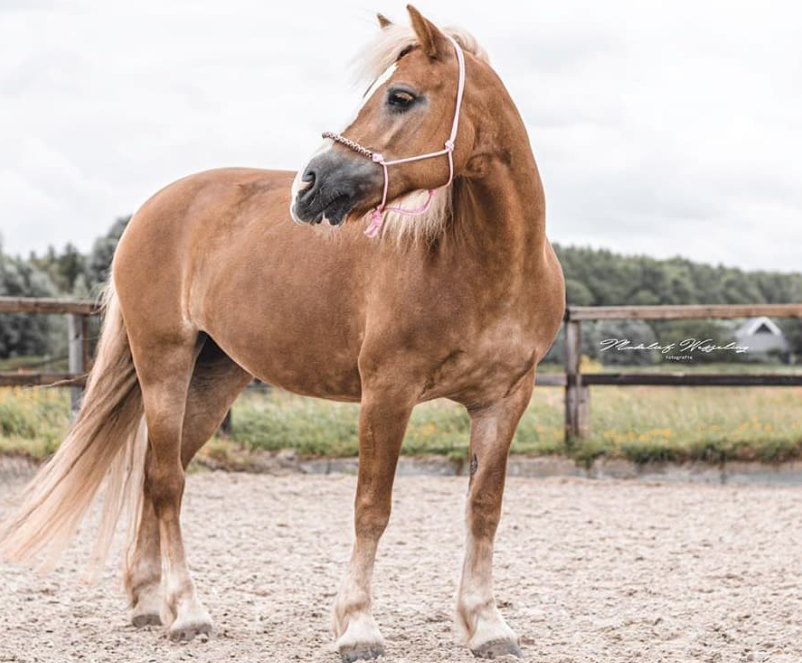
point(310, 179)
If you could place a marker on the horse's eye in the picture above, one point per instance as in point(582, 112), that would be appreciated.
point(400, 99)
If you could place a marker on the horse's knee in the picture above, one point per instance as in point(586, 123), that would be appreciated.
point(371, 516)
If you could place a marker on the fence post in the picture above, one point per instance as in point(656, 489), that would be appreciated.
point(86, 347)
point(577, 396)
point(76, 333)
point(584, 411)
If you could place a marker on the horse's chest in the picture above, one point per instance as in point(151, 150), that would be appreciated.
point(491, 362)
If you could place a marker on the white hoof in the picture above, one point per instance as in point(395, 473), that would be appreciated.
point(486, 633)
point(147, 608)
point(361, 639)
point(192, 620)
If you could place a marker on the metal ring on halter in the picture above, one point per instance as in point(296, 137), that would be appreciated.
point(377, 215)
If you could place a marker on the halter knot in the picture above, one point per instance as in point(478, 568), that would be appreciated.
point(377, 157)
point(449, 145)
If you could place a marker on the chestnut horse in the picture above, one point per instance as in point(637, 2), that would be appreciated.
point(213, 284)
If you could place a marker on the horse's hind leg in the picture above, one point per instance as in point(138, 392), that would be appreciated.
point(164, 364)
point(142, 574)
point(492, 428)
point(216, 382)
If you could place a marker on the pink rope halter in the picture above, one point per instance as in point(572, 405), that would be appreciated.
point(377, 215)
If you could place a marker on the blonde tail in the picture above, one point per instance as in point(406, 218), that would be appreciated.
point(108, 440)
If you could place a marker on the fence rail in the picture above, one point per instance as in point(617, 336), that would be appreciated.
point(682, 312)
point(48, 305)
point(25, 379)
point(576, 384)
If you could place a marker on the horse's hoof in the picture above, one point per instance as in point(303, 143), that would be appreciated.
point(145, 610)
point(188, 631)
point(359, 652)
point(497, 649)
point(146, 619)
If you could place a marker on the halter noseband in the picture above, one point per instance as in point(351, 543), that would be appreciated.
point(377, 215)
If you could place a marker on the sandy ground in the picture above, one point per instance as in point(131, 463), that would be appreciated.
point(586, 571)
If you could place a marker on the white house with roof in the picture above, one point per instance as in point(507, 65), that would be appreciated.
point(762, 336)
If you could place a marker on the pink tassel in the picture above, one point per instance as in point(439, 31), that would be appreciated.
point(376, 221)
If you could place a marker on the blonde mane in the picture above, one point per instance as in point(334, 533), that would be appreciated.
point(381, 53)
point(385, 48)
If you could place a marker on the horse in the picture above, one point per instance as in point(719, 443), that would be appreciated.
point(238, 273)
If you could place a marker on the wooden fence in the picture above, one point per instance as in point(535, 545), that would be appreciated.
point(79, 360)
point(576, 384)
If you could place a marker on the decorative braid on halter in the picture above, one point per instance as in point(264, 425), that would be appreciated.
point(377, 215)
point(356, 147)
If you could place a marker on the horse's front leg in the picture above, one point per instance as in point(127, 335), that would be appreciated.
point(382, 423)
point(479, 622)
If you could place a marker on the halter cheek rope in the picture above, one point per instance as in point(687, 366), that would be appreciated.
point(377, 215)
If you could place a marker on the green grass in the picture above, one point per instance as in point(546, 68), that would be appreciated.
point(695, 423)
point(321, 428)
point(33, 421)
point(638, 423)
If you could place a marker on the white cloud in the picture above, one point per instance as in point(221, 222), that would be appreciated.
point(660, 129)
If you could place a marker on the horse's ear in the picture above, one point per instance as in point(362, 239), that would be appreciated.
point(432, 41)
point(384, 22)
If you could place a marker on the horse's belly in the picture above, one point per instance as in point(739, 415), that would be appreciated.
point(302, 370)
point(303, 342)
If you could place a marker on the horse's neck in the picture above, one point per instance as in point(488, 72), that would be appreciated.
point(501, 215)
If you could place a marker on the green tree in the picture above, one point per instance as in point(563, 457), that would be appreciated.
point(22, 334)
point(98, 262)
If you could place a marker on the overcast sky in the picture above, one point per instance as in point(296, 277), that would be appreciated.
point(662, 128)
